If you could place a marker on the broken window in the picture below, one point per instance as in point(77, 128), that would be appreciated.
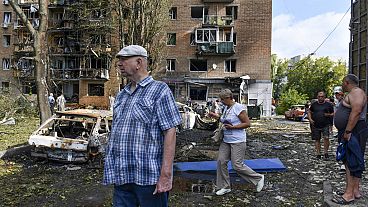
point(198, 65)
point(232, 11)
point(206, 35)
point(170, 65)
point(98, 39)
point(96, 63)
point(198, 93)
point(7, 18)
point(229, 39)
point(5, 86)
point(230, 66)
point(6, 64)
point(29, 88)
point(97, 13)
point(95, 89)
point(173, 13)
point(171, 39)
point(192, 39)
point(197, 12)
point(6, 40)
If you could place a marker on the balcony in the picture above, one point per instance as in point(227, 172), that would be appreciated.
point(65, 74)
point(94, 73)
point(216, 20)
point(215, 48)
point(218, 1)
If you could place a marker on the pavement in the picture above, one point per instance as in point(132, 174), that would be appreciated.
point(331, 184)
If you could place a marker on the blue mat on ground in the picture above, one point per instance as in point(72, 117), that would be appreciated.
point(258, 165)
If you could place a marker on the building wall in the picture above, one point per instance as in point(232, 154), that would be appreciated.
point(359, 42)
point(6, 52)
point(252, 52)
point(253, 30)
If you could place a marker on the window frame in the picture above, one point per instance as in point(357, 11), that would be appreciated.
point(6, 40)
point(170, 64)
point(3, 62)
point(173, 13)
point(232, 68)
point(171, 36)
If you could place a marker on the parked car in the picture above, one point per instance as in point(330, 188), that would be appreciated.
point(72, 136)
point(295, 112)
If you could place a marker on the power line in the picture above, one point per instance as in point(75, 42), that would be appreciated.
point(314, 52)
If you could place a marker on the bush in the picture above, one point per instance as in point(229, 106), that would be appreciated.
point(289, 98)
point(11, 106)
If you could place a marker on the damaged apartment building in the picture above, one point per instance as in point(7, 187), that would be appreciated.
point(79, 49)
point(217, 44)
point(210, 45)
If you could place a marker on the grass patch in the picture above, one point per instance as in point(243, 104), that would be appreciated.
point(18, 134)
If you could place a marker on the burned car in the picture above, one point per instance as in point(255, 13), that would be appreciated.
point(72, 136)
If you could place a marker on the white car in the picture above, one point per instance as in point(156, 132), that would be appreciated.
point(72, 136)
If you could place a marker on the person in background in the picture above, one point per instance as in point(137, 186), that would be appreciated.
point(233, 145)
point(111, 102)
point(51, 101)
point(350, 120)
point(141, 148)
point(319, 115)
point(306, 108)
point(60, 102)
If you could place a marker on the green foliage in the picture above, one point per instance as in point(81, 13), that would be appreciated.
point(12, 106)
point(309, 76)
point(288, 98)
point(278, 76)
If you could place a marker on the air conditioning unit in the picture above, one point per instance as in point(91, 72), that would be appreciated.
point(5, 2)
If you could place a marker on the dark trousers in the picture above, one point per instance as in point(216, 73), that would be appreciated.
point(132, 195)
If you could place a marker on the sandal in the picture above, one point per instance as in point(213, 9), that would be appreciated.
point(341, 192)
point(341, 200)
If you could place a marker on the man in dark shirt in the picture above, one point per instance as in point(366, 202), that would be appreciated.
point(319, 115)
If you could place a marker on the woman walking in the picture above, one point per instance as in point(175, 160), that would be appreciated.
point(233, 145)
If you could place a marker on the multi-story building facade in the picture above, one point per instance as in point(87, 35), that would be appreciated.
point(359, 42)
point(8, 80)
point(211, 45)
point(217, 44)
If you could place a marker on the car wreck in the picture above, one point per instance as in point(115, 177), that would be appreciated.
point(72, 136)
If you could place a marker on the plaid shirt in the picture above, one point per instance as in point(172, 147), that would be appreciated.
point(135, 149)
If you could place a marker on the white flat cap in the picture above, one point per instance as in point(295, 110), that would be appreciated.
point(132, 50)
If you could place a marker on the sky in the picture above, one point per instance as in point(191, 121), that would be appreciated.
point(299, 27)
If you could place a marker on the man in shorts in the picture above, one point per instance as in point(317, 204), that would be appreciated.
point(319, 115)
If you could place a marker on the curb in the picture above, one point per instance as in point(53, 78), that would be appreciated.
point(11, 152)
point(328, 195)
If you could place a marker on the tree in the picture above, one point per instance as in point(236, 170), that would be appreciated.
point(40, 57)
point(288, 98)
point(309, 76)
point(279, 73)
point(143, 22)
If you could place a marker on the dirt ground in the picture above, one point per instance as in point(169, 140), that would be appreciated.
point(30, 182)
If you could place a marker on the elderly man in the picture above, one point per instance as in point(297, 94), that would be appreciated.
point(141, 148)
point(350, 119)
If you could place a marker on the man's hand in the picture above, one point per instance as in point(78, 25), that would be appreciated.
point(164, 184)
point(311, 121)
point(347, 136)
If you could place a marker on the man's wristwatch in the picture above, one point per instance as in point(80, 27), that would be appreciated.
point(347, 132)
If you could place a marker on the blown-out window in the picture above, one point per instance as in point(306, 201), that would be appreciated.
point(198, 65)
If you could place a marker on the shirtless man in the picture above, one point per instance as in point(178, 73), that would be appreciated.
point(350, 118)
